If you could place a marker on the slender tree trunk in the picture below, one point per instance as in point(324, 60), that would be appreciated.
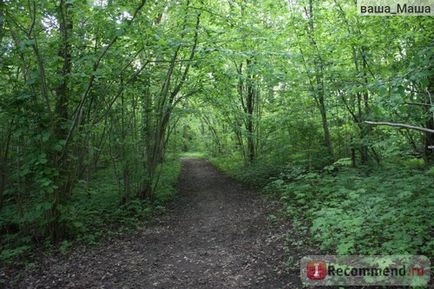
point(250, 109)
point(64, 180)
point(319, 82)
point(363, 109)
point(325, 126)
point(364, 129)
point(147, 135)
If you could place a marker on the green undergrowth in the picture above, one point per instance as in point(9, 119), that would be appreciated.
point(95, 210)
point(199, 155)
point(386, 209)
point(256, 175)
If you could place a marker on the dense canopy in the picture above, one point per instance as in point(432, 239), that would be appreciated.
point(331, 112)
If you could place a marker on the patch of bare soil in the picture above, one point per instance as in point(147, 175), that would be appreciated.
point(216, 236)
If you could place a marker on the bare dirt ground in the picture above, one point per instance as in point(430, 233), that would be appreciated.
point(217, 235)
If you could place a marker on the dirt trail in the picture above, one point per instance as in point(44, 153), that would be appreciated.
point(217, 236)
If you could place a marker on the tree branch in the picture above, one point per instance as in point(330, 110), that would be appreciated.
point(400, 125)
point(84, 96)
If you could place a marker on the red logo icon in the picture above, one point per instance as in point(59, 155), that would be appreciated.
point(316, 270)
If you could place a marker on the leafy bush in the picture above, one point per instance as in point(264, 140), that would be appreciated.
point(94, 209)
point(363, 212)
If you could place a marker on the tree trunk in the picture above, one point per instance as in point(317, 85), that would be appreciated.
point(61, 115)
point(319, 90)
point(250, 109)
point(325, 126)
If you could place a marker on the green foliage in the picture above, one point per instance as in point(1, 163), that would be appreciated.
point(85, 119)
point(256, 175)
point(10, 254)
point(98, 98)
point(386, 210)
point(94, 211)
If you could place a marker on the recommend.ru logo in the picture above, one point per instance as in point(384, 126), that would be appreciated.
point(394, 270)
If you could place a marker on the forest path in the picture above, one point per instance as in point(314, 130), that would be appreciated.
point(217, 235)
